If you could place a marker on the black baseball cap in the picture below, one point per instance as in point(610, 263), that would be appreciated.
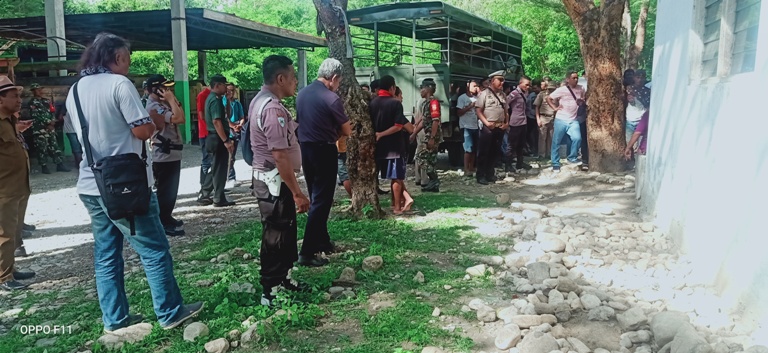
point(158, 81)
point(428, 82)
point(218, 78)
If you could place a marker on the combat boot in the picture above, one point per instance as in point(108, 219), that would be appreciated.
point(44, 169)
point(61, 168)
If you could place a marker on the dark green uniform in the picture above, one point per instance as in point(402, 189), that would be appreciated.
point(430, 112)
point(46, 144)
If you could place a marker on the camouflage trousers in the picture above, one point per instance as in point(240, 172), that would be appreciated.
point(427, 160)
point(47, 147)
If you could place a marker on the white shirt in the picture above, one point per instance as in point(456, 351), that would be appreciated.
point(68, 127)
point(469, 119)
point(635, 111)
point(110, 104)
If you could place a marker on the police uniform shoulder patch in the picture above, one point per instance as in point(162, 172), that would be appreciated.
point(281, 120)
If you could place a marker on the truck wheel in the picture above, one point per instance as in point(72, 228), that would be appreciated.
point(456, 154)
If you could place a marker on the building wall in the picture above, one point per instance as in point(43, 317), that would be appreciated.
point(705, 178)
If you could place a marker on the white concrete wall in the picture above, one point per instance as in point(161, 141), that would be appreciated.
point(705, 178)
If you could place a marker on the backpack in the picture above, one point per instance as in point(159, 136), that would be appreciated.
point(245, 133)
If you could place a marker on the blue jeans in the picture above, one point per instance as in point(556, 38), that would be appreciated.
point(471, 137)
point(151, 245)
point(561, 129)
point(629, 130)
point(205, 165)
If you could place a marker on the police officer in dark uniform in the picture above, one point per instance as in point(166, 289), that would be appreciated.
point(276, 159)
point(491, 109)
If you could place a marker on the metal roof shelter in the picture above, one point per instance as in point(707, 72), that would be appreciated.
point(396, 18)
point(151, 30)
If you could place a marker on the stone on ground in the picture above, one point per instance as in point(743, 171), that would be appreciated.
point(526, 321)
point(590, 301)
point(373, 263)
point(538, 272)
point(195, 330)
point(687, 340)
point(46, 342)
point(757, 349)
point(508, 337)
point(601, 313)
point(220, 345)
point(130, 334)
point(664, 326)
point(347, 275)
point(419, 277)
point(506, 314)
point(578, 345)
point(538, 342)
point(486, 314)
point(635, 337)
point(567, 285)
point(502, 199)
point(431, 350)
point(632, 319)
point(250, 334)
point(477, 271)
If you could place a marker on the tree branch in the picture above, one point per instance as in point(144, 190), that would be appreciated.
point(578, 7)
point(626, 26)
point(640, 31)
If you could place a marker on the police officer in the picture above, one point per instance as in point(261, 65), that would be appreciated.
point(14, 183)
point(165, 111)
point(491, 109)
point(433, 136)
point(276, 159)
point(41, 110)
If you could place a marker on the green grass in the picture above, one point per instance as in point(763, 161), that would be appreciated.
point(407, 246)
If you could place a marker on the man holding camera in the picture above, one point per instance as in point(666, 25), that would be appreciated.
point(166, 113)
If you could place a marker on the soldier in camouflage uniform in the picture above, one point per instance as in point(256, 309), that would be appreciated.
point(41, 110)
point(433, 136)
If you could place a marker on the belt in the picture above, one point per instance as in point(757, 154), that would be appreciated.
point(271, 178)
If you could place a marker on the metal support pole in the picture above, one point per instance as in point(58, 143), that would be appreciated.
point(302, 61)
point(202, 66)
point(376, 44)
point(54, 28)
point(449, 40)
point(180, 62)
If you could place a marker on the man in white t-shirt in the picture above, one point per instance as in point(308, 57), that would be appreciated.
point(567, 100)
point(117, 124)
point(469, 126)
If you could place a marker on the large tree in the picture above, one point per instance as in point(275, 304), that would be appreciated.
point(360, 146)
point(599, 29)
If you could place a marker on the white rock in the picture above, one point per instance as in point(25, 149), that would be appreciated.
point(687, 340)
point(477, 271)
point(508, 337)
point(601, 313)
point(373, 263)
point(552, 245)
point(220, 345)
point(538, 342)
point(507, 313)
point(195, 330)
point(502, 199)
point(486, 314)
point(431, 350)
point(590, 301)
point(665, 325)
point(578, 345)
point(538, 272)
point(130, 334)
point(632, 319)
point(476, 304)
point(601, 350)
point(419, 277)
point(526, 321)
point(643, 336)
point(436, 312)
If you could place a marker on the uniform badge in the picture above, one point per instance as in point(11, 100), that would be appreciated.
point(281, 120)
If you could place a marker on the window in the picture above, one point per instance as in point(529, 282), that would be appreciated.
point(729, 30)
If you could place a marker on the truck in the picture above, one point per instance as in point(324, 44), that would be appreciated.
point(412, 41)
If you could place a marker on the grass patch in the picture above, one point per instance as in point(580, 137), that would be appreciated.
point(440, 246)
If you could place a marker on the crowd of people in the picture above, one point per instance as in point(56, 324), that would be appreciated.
point(106, 117)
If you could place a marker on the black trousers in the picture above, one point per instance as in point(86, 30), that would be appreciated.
point(320, 165)
point(216, 178)
point(584, 143)
point(278, 233)
point(532, 129)
point(516, 144)
point(488, 151)
point(167, 183)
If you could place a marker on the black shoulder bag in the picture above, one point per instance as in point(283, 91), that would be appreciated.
point(121, 179)
point(582, 112)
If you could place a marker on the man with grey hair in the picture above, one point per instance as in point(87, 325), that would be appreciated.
point(321, 118)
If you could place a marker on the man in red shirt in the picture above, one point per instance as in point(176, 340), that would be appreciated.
point(202, 132)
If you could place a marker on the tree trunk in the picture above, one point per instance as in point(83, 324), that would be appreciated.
point(633, 54)
point(360, 146)
point(599, 30)
point(626, 26)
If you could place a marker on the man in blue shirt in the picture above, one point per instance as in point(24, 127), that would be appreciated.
point(236, 121)
point(321, 121)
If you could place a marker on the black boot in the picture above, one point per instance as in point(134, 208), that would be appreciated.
point(44, 169)
point(61, 168)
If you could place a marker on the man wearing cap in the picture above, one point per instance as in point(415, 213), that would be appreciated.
point(46, 145)
point(641, 90)
point(433, 136)
point(545, 114)
point(491, 109)
point(165, 111)
point(14, 183)
point(516, 133)
point(276, 160)
point(218, 144)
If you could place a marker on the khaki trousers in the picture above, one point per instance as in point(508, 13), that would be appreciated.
point(545, 138)
point(11, 213)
